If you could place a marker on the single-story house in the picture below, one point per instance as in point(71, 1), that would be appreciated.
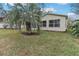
point(50, 22)
point(54, 22)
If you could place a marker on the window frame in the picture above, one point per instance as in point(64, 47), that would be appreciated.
point(54, 23)
point(44, 24)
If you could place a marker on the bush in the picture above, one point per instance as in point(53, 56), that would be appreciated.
point(75, 29)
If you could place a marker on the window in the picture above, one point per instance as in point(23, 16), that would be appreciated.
point(54, 23)
point(44, 23)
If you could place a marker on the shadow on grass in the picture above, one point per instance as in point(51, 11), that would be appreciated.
point(30, 33)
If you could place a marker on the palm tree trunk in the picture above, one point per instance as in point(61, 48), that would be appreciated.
point(38, 28)
point(28, 26)
point(11, 25)
point(16, 27)
point(19, 25)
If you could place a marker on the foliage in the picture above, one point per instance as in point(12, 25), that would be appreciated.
point(75, 29)
point(26, 14)
point(75, 7)
point(2, 10)
point(69, 25)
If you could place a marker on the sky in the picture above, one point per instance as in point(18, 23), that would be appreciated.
point(58, 8)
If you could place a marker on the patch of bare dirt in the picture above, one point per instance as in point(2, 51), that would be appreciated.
point(23, 52)
point(5, 45)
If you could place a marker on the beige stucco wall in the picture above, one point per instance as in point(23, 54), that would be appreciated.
point(63, 23)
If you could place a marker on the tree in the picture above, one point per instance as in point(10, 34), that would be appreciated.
point(37, 14)
point(32, 14)
point(27, 14)
point(14, 16)
point(75, 27)
point(2, 10)
point(75, 7)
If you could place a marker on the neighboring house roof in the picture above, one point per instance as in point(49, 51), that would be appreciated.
point(59, 15)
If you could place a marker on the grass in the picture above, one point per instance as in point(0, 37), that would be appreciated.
point(14, 43)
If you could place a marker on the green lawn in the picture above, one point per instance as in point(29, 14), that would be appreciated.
point(47, 43)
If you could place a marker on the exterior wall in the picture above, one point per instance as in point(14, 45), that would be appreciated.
point(1, 24)
point(63, 23)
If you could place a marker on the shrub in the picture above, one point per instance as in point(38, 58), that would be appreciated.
point(75, 29)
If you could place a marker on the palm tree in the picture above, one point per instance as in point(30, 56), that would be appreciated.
point(39, 14)
point(35, 14)
point(2, 10)
point(14, 16)
point(27, 14)
point(31, 13)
